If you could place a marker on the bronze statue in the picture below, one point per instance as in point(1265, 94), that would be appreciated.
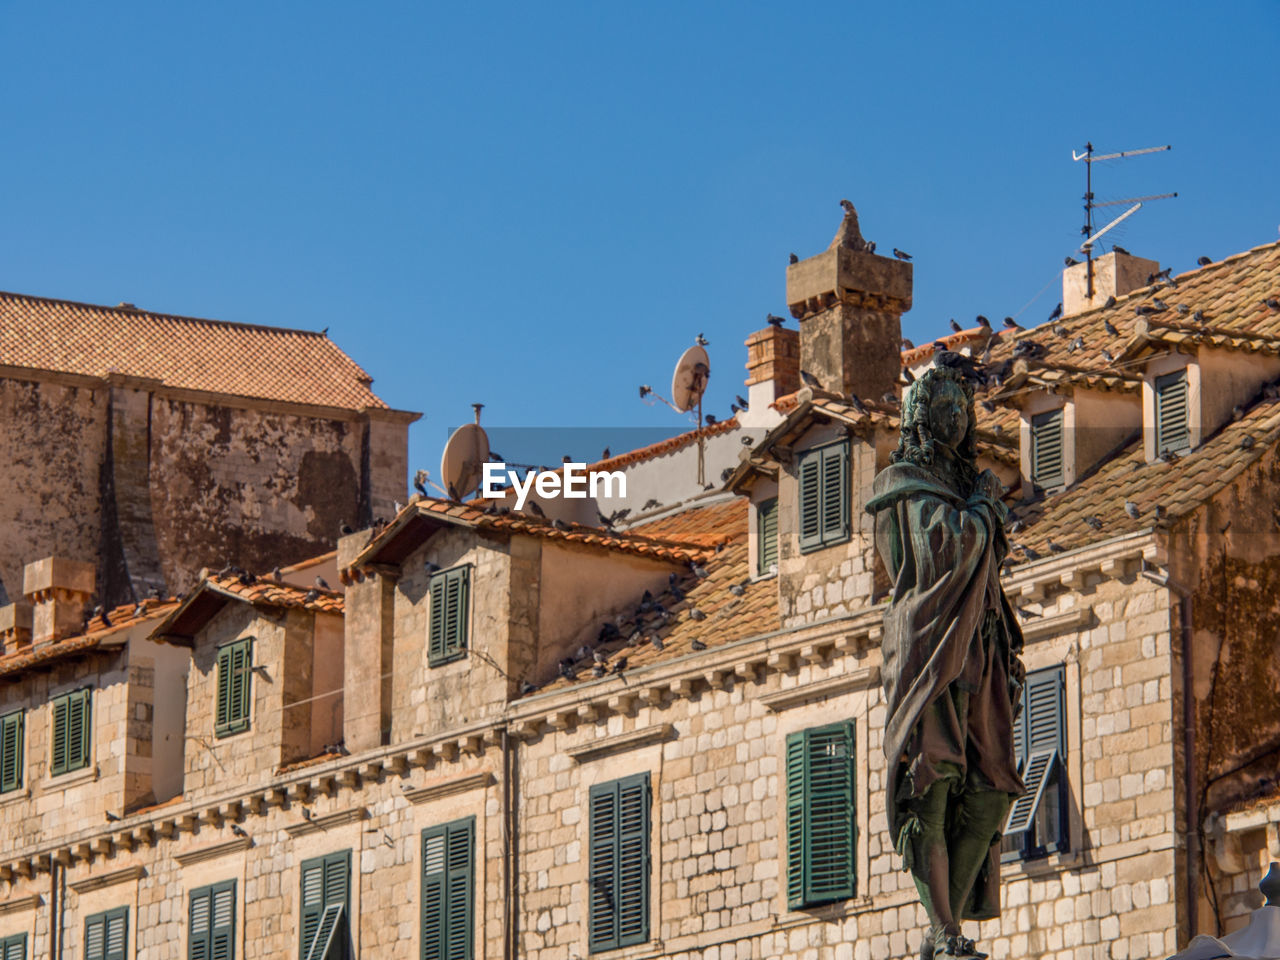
point(951, 673)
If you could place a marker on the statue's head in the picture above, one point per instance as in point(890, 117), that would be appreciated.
point(937, 410)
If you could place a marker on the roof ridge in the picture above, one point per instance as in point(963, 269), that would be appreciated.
point(171, 316)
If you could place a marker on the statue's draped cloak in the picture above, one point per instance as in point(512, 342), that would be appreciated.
point(943, 555)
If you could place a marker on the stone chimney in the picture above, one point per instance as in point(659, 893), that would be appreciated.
point(773, 365)
point(58, 591)
point(369, 629)
point(15, 626)
point(1114, 275)
point(850, 301)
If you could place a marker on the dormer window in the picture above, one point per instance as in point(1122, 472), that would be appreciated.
point(1046, 449)
point(824, 496)
point(767, 537)
point(1172, 429)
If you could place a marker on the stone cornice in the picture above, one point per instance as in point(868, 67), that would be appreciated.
point(447, 788)
point(832, 687)
point(213, 851)
point(14, 904)
point(316, 824)
point(622, 742)
point(123, 875)
point(1044, 627)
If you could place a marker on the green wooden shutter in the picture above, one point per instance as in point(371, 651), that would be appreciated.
point(58, 761)
point(1172, 430)
point(810, 509)
point(235, 673)
point(1039, 743)
point(1046, 448)
point(11, 737)
point(212, 920)
point(199, 924)
point(78, 730)
point(618, 898)
point(435, 646)
point(326, 889)
point(222, 710)
point(106, 934)
point(835, 493)
point(450, 592)
point(821, 832)
point(14, 947)
point(766, 535)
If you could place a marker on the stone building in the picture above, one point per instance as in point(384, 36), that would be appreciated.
point(151, 445)
point(516, 736)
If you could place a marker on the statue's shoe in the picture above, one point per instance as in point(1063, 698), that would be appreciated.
point(954, 945)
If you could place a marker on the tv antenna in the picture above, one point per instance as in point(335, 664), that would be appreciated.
point(1090, 158)
point(464, 457)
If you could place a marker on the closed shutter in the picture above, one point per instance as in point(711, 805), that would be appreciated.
point(235, 670)
point(70, 732)
point(1172, 430)
point(1038, 743)
point(326, 883)
point(835, 493)
point(11, 730)
point(618, 899)
point(14, 947)
point(820, 864)
point(58, 760)
point(1046, 448)
point(448, 890)
point(766, 536)
point(450, 591)
point(212, 919)
point(222, 711)
point(105, 935)
point(810, 491)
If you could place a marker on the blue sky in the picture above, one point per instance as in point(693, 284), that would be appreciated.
point(538, 206)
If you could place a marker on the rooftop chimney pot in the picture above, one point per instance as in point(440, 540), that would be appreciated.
point(58, 590)
point(1114, 275)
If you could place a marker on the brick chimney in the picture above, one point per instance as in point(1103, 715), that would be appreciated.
point(58, 591)
point(1114, 275)
point(773, 365)
point(850, 302)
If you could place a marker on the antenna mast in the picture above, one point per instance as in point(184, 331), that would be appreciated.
point(1089, 206)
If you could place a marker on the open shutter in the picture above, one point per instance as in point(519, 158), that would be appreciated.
point(436, 639)
point(835, 493)
point(633, 860)
point(59, 757)
point(222, 713)
point(1172, 431)
point(766, 535)
point(1046, 448)
point(830, 833)
point(460, 842)
point(810, 491)
point(11, 730)
point(602, 922)
point(327, 933)
point(795, 820)
point(1039, 744)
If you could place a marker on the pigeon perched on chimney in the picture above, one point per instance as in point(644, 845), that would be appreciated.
point(794, 258)
point(775, 320)
point(1204, 261)
point(900, 254)
point(1110, 302)
point(1119, 249)
point(1070, 261)
point(810, 380)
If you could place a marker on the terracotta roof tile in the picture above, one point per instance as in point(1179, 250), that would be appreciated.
point(98, 632)
point(710, 525)
point(270, 363)
point(271, 593)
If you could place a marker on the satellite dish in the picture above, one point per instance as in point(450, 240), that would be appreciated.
point(690, 379)
point(462, 464)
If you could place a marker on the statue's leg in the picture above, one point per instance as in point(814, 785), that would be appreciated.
point(930, 861)
point(977, 818)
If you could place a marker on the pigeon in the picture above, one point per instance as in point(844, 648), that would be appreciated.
point(656, 641)
point(566, 668)
point(1093, 522)
point(526, 688)
point(1060, 331)
point(738, 589)
point(699, 572)
point(1199, 317)
point(810, 380)
point(645, 390)
point(1076, 344)
point(901, 255)
point(112, 817)
point(1204, 261)
point(955, 327)
point(857, 404)
point(536, 509)
point(711, 419)
point(1057, 312)
point(101, 611)
point(420, 486)
point(559, 524)
point(696, 614)
point(1247, 442)
point(1027, 614)
point(1012, 324)
point(1161, 511)
point(1182, 309)
point(701, 341)
point(907, 344)
point(775, 320)
point(312, 596)
point(620, 664)
point(1110, 327)
point(239, 831)
point(345, 529)
point(1106, 355)
point(1031, 555)
point(698, 644)
point(1055, 547)
point(320, 582)
point(306, 813)
point(794, 258)
point(1142, 309)
point(1169, 456)
point(1119, 249)
point(1070, 261)
point(650, 504)
point(1271, 303)
point(1159, 304)
point(1110, 302)
point(430, 567)
point(742, 403)
point(1132, 509)
point(871, 246)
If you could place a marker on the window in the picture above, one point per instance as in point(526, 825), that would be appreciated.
point(450, 590)
point(1037, 823)
point(212, 922)
point(326, 884)
point(1172, 432)
point(448, 884)
point(105, 934)
point(14, 947)
point(618, 878)
point(71, 731)
point(11, 730)
point(767, 537)
point(824, 496)
point(821, 834)
point(235, 665)
point(1046, 449)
